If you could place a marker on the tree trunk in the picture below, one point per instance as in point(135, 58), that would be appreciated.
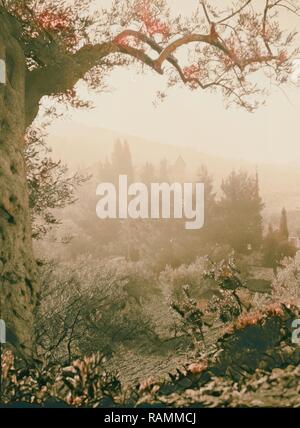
point(18, 289)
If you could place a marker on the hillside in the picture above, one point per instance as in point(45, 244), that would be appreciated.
point(81, 147)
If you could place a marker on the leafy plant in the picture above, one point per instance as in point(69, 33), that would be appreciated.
point(225, 307)
point(83, 383)
point(227, 276)
point(191, 316)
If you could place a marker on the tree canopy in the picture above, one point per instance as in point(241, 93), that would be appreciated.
point(216, 48)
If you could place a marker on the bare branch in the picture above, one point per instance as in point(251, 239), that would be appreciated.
point(205, 11)
point(234, 13)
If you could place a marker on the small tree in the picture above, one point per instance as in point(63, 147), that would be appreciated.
point(121, 161)
point(227, 276)
point(276, 245)
point(283, 229)
point(240, 211)
point(191, 317)
point(49, 184)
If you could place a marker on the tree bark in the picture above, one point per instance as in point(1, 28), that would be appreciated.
point(18, 286)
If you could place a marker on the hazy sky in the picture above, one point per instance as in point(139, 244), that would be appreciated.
point(197, 118)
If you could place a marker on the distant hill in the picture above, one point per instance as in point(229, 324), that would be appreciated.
point(82, 147)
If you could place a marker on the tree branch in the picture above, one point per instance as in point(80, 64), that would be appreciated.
point(234, 13)
point(62, 75)
point(62, 71)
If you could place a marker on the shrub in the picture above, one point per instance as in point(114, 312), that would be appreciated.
point(172, 280)
point(83, 383)
point(285, 287)
point(191, 317)
point(225, 307)
point(90, 306)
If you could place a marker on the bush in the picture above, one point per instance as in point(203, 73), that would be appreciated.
point(91, 306)
point(225, 308)
point(191, 317)
point(285, 288)
point(172, 280)
point(83, 383)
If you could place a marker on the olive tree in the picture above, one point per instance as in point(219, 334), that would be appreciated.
point(47, 46)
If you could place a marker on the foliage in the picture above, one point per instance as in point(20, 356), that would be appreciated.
point(223, 303)
point(243, 365)
point(233, 44)
point(83, 383)
point(257, 316)
point(276, 244)
point(285, 287)
point(50, 184)
point(172, 280)
point(163, 242)
point(283, 228)
point(225, 273)
point(90, 306)
point(240, 210)
point(228, 278)
point(191, 317)
point(275, 249)
point(251, 351)
point(225, 307)
point(31, 385)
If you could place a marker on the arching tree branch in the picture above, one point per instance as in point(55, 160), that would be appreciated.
point(232, 46)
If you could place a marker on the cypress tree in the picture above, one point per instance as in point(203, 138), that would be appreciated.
point(284, 231)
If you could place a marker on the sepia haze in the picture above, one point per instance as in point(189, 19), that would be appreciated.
point(83, 147)
point(192, 124)
point(193, 118)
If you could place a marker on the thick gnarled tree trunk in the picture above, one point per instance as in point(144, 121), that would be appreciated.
point(17, 267)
